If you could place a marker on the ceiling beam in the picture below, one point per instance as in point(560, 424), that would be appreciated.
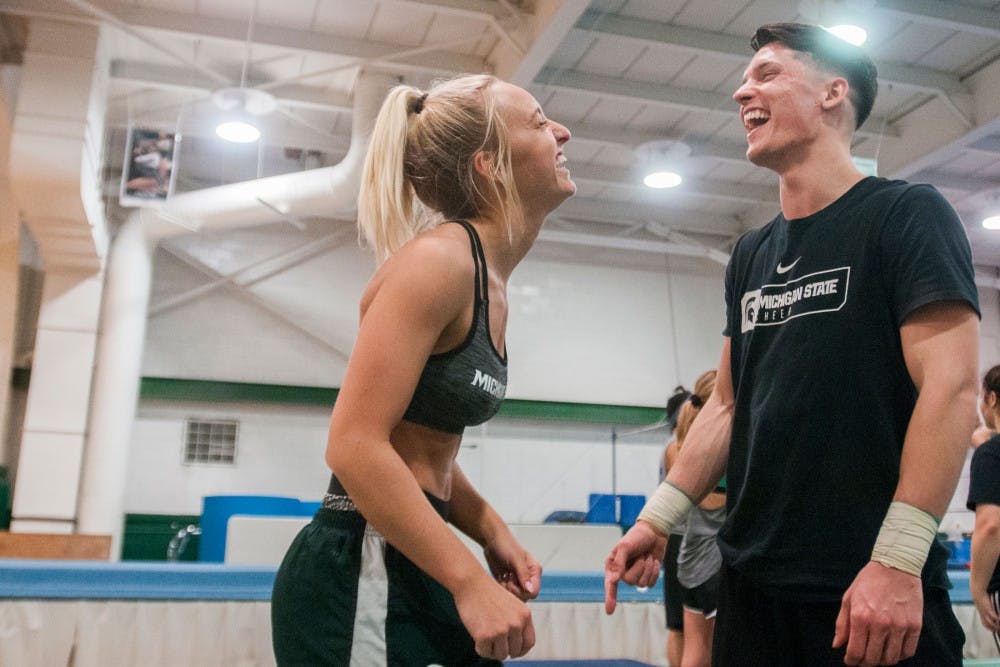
point(700, 148)
point(686, 99)
point(621, 213)
point(627, 243)
point(705, 189)
point(165, 77)
point(951, 181)
point(482, 9)
point(951, 15)
point(192, 26)
point(737, 49)
point(549, 25)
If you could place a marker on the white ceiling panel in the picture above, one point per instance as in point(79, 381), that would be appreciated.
point(657, 66)
point(613, 112)
point(231, 9)
point(706, 72)
point(407, 27)
point(955, 53)
point(445, 28)
point(911, 43)
point(756, 14)
point(297, 14)
point(609, 57)
point(712, 15)
point(568, 54)
point(653, 10)
point(348, 19)
point(180, 6)
point(652, 118)
point(569, 107)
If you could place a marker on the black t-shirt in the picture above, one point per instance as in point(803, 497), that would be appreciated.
point(823, 396)
point(984, 486)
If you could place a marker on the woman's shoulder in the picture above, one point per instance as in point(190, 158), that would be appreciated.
point(436, 264)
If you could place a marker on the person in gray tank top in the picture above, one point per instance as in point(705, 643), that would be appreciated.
point(378, 577)
point(699, 559)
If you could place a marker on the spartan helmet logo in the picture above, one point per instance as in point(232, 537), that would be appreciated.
point(749, 307)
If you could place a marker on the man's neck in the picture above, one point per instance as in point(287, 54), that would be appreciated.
point(814, 184)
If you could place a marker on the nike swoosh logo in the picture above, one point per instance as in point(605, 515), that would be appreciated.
point(786, 269)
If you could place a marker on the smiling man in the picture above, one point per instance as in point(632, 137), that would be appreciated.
point(846, 391)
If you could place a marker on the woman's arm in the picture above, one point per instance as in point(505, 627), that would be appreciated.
point(427, 288)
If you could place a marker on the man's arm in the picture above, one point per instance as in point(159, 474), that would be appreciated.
point(985, 552)
point(702, 461)
point(882, 611)
point(637, 557)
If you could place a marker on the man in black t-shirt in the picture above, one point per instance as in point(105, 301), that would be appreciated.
point(846, 391)
point(984, 499)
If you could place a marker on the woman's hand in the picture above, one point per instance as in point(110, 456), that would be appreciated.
point(499, 623)
point(513, 567)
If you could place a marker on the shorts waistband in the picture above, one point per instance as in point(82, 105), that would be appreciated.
point(341, 503)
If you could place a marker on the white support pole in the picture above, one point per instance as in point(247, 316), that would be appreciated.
point(116, 384)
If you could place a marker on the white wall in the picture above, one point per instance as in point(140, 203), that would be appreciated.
point(576, 332)
point(525, 468)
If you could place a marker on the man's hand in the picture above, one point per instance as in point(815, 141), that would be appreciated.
point(987, 614)
point(880, 617)
point(636, 560)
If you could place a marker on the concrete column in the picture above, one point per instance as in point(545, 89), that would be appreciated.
point(55, 421)
point(9, 235)
point(116, 383)
point(55, 157)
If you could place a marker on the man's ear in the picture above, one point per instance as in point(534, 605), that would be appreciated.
point(836, 92)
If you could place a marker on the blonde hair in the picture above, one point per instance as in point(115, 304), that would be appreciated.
point(703, 388)
point(419, 168)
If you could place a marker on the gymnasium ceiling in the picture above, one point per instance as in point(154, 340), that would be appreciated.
point(618, 73)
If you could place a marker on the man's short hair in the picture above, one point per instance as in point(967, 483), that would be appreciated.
point(832, 54)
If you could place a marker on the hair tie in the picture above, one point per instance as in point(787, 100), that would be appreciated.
point(417, 104)
point(695, 400)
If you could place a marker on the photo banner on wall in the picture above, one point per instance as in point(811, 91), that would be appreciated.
point(148, 173)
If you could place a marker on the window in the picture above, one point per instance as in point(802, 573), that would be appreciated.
point(210, 441)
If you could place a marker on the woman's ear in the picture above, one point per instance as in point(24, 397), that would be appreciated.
point(482, 162)
point(991, 399)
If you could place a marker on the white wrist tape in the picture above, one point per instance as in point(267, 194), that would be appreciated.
point(666, 508)
point(905, 538)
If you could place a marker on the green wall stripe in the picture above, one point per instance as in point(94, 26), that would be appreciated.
point(245, 392)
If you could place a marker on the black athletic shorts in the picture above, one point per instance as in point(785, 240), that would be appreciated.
point(344, 597)
point(755, 628)
point(704, 598)
point(672, 588)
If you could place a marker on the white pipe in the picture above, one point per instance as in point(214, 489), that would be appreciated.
point(328, 192)
point(115, 391)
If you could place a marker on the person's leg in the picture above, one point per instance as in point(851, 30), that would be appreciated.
point(698, 632)
point(675, 647)
point(672, 593)
point(313, 603)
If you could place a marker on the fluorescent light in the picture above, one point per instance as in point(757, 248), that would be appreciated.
point(662, 179)
point(852, 34)
point(992, 222)
point(238, 132)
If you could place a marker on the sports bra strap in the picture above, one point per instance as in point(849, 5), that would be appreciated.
point(479, 259)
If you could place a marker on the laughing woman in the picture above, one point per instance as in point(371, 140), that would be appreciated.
point(455, 187)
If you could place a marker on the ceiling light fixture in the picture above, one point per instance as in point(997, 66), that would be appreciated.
point(852, 34)
point(237, 131)
point(662, 179)
point(660, 162)
point(992, 222)
point(240, 106)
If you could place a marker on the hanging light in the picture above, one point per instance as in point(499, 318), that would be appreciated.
point(240, 107)
point(661, 162)
point(662, 179)
point(992, 222)
point(237, 131)
point(852, 34)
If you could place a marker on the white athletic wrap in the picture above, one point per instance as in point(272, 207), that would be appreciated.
point(666, 508)
point(905, 538)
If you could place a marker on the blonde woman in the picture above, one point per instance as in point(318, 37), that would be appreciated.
point(456, 184)
point(699, 559)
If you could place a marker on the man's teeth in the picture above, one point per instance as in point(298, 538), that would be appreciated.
point(755, 117)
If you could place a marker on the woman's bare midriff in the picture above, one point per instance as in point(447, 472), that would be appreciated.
point(430, 455)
